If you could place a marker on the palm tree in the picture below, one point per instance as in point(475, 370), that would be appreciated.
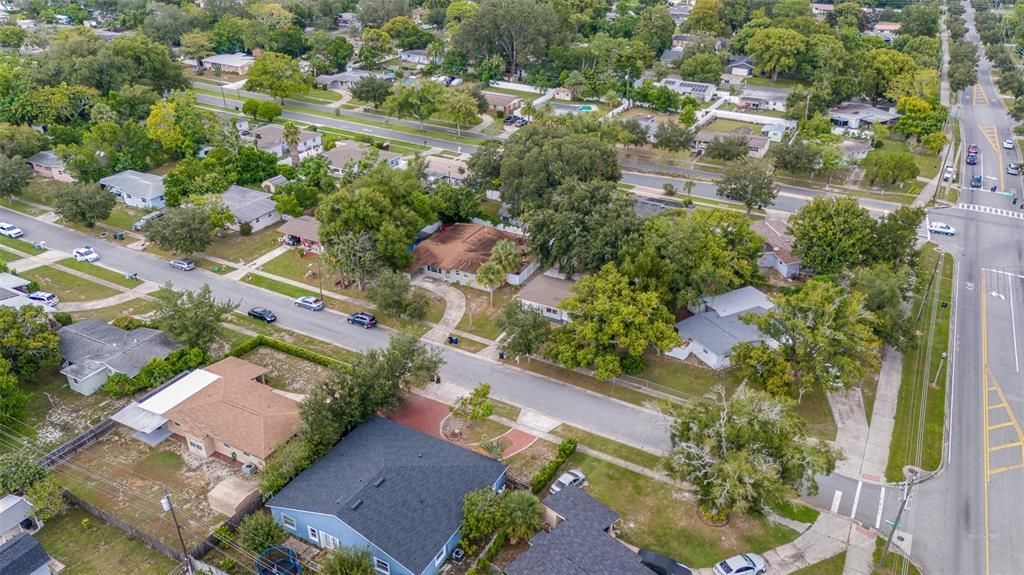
point(688, 186)
point(523, 515)
point(292, 135)
point(491, 277)
point(507, 256)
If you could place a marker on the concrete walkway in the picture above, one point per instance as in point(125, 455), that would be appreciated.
point(485, 120)
point(138, 292)
point(279, 250)
point(455, 307)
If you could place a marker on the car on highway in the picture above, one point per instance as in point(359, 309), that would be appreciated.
point(364, 319)
point(972, 149)
point(309, 302)
point(85, 254)
point(972, 159)
point(573, 477)
point(742, 564)
point(948, 174)
point(44, 297)
point(262, 313)
point(141, 223)
point(976, 182)
point(10, 230)
point(1008, 144)
point(1013, 169)
point(183, 264)
point(941, 229)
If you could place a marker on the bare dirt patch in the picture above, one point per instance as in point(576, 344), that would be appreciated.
point(288, 372)
point(529, 461)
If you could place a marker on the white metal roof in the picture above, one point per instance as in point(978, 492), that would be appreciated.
point(179, 391)
point(135, 417)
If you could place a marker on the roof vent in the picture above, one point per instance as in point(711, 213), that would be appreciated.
point(356, 504)
point(419, 455)
point(379, 482)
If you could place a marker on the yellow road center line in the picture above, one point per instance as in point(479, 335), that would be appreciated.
point(984, 413)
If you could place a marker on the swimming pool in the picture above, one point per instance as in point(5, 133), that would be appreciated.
point(585, 108)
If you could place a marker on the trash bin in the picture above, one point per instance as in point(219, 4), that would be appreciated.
point(501, 354)
point(455, 340)
point(118, 235)
point(451, 340)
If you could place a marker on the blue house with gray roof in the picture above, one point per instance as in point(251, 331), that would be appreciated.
point(389, 489)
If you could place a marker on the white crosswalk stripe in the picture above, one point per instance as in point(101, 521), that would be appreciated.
point(990, 210)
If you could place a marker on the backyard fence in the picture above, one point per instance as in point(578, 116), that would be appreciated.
point(76, 444)
point(203, 567)
point(204, 546)
point(123, 526)
point(516, 483)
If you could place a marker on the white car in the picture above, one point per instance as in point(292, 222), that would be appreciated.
point(1008, 144)
point(10, 230)
point(573, 477)
point(85, 254)
point(742, 564)
point(941, 228)
point(44, 297)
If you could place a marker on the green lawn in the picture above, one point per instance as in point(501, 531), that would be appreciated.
point(20, 245)
point(921, 369)
point(100, 549)
point(611, 447)
point(928, 163)
point(894, 562)
point(686, 380)
point(219, 269)
point(778, 83)
point(489, 210)
point(831, 566)
point(6, 256)
point(526, 96)
point(21, 206)
point(627, 394)
point(235, 247)
point(796, 511)
point(481, 316)
point(100, 272)
point(123, 217)
point(658, 516)
point(66, 286)
point(505, 410)
point(134, 307)
point(724, 125)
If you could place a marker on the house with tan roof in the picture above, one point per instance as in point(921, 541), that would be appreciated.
point(455, 253)
point(225, 410)
point(545, 293)
point(777, 253)
point(304, 231)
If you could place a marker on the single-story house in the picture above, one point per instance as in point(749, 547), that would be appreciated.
point(388, 489)
point(456, 252)
point(777, 253)
point(16, 516)
point(757, 146)
point(237, 63)
point(303, 230)
point(270, 138)
point(740, 66)
point(716, 328)
point(680, 40)
point(579, 538)
point(857, 115)
point(347, 20)
point(23, 555)
point(883, 28)
point(770, 99)
point(562, 94)
point(250, 206)
point(544, 294)
point(48, 165)
point(224, 410)
point(819, 9)
point(345, 156)
point(14, 293)
point(417, 57)
point(344, 80)
point(672, 55)
point(136, 189)
point(702, 91)
point(679, 13)
point(504, 103)
point(854, 150)
point(93, 350)
point(774, 132)
point(449, 170)
point(270, 185)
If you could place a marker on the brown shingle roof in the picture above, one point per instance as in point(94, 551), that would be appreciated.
point(497, 100)
point(773, 232)
point(304, 227)
point(239, 411)
point(462, 247)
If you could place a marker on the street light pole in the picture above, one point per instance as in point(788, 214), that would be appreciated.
point(168, 506)
point(899, 515)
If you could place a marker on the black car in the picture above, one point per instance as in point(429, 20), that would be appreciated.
point(976, 182)
point(509, 120)
point(262, 313)
point(972, 159)
point(364, 319)
point(661, 564)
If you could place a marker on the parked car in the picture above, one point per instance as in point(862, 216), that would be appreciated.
point(10, 230)
point(262, 313)
point(976, 182)
point(573, 477)
point(183, 264)
point(364, 319)
point(44, 297)
point(511, 119)
point(948, 174)
point(455, 82)
point(521, 122)
point(972, 149)
point(942, 229)
point(1013, 169)
point(85, 254)
point(141, 223)
point(661, 564)
point(742, 564)
point(309, 302)
point(972, 159)
point(1008, 144)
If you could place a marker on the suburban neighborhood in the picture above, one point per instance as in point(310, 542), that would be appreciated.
point(510, 287)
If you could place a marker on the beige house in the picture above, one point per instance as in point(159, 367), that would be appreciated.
point(48, 165)
point(504, 103)
point(455, 253)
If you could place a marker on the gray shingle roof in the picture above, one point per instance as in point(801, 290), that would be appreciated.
point(719, 334)
point(410, 486)
point(140, 184)
point(46, 159)
point(90, 344)
point(22, 555)
point(247, 204)
point(579, 545)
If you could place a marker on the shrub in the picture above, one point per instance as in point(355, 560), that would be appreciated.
point(228, 565)
point(565, 450)
point(633, 364)
point(63, 318)
point(18, 472)
point(245, 228)
point(224, 535)
point(127, 322)
point(284, 347)
point(259, 531)
point(288, 461)
point(31, 287)
point(155, 372)
point(47, 497)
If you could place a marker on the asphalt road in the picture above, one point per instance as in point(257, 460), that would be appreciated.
point(624, 422)
point(968, 518)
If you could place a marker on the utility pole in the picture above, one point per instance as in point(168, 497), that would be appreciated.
point(899, 515)
point(168, 506)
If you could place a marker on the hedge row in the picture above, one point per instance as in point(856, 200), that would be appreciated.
point(284, 347)
point(155, 372)
point(483, 566)
point(565, 450)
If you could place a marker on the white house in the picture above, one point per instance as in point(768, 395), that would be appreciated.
point(250, 206)
point(777, 252)
point(270, 138)
point(716, 328)
point(94, 350)
point(545, 293)
point(702, 91)
point(136, 189)
point(16, 516)
point(417, 57)
point(770, 99)
point(346, 155)
point(14, 293)
point(237, 63)
point(740, 66)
